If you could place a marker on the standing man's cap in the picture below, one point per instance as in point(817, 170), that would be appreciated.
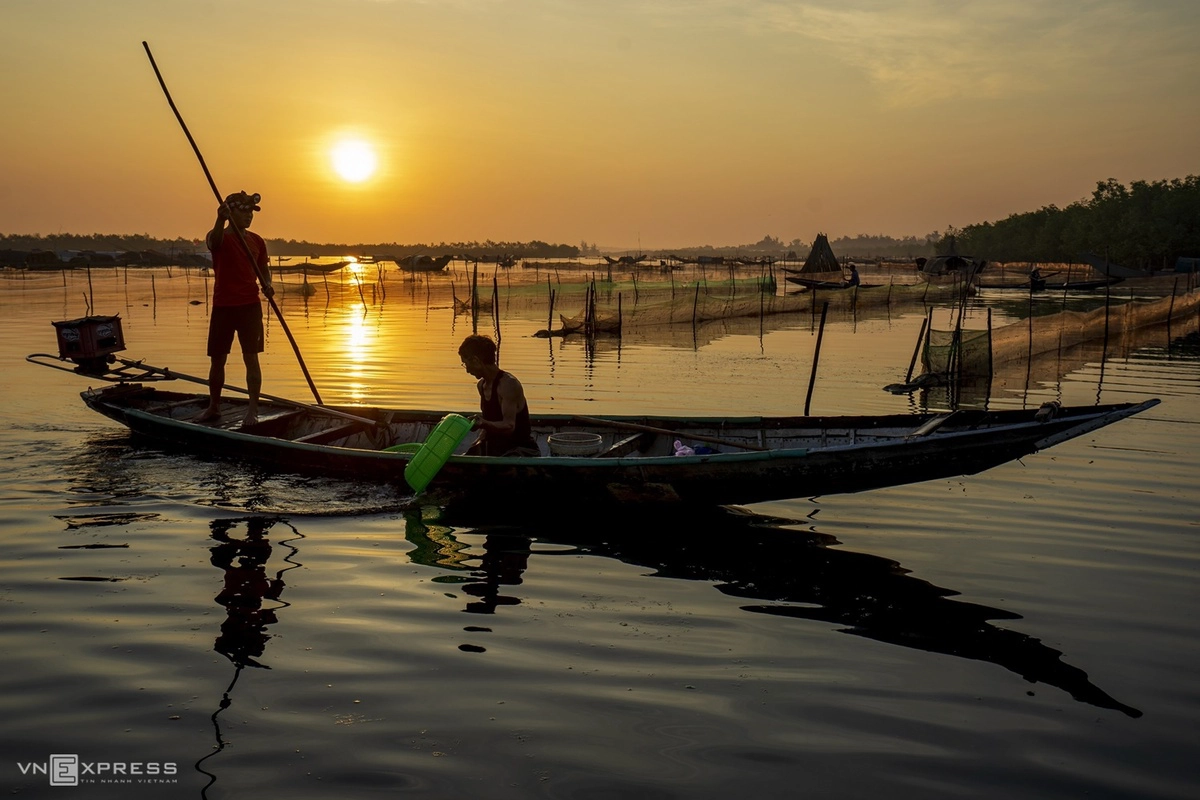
point(243, 202)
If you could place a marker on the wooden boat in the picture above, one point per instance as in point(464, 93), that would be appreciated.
point(1044, 284)
point(308, 268)
point(626, 261)
point(423, 263)
point(736, 460)
point(820, 270)
point(834, 281)
point(949, 269)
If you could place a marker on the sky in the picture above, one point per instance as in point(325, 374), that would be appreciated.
point(626, 123)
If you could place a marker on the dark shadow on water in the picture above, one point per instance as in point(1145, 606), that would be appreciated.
point(245, 595)
point(780, 569)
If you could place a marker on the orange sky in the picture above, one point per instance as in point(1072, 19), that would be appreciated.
point(664, 122)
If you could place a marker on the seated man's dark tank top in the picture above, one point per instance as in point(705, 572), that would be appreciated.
point(497, 444)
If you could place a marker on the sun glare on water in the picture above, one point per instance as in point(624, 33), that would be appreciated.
point(354, 160)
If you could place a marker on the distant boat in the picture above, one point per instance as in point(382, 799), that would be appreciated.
point(951, 267)
point(308, 268)
point(1038, 285)
point(423, 263)
point(820, 270)
point(626, 261)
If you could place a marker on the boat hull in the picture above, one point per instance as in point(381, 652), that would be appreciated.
point(806, 456)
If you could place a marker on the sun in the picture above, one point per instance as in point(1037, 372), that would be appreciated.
point(354, 160)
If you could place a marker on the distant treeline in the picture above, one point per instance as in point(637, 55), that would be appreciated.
point(473, 250)
point(861, 246)
point(1144, 225)
point(19, 250)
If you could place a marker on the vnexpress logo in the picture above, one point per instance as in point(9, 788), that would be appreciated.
point(64, 770)
point(67, 770)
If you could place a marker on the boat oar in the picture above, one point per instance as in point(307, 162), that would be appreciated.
point(171, 374)
point(635, 426)
point(262, 278)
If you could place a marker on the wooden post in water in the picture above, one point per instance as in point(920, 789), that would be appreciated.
point(812, 378)
point(695, 307)
point(1107, 301)
point(762, 302)
point(358, 283)
point(91, 295)
point(496, 303)
point(988, 396)
point(153, 291)
point(592, 321)
point(916, 350)
point(989, 331)
point(1171, 311)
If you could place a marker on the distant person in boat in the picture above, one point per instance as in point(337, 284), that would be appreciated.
point(236, 305)
point(504, 417)
point(854, 279)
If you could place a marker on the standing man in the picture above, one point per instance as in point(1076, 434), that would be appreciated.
point(504, 417)
point(236, 305)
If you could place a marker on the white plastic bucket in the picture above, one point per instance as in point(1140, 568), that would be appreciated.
point(575, 443)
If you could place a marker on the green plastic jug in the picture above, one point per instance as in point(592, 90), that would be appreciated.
point(436, 451)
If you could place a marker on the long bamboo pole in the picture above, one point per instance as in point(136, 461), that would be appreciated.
point(262, 279)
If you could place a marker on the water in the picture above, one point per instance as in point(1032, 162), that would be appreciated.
point(1030, 631)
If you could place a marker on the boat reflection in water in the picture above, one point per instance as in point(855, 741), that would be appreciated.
point(250, 599)
point(781, 570)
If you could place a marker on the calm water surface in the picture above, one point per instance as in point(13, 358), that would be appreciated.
point(1028, 632)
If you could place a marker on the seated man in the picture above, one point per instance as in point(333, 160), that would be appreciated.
point(504, 420)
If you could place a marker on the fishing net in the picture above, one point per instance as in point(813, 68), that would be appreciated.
point(970, 354)
point(630, 307)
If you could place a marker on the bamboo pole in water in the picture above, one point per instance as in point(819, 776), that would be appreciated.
point(812, 378)
point(916, 350)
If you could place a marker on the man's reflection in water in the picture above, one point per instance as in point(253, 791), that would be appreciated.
point(505, 558)
point(244, 631)
point(244, 634)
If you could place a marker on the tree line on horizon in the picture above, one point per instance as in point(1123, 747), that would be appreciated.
point(144, 250)
point(1146, 225)
point(1143, 225)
